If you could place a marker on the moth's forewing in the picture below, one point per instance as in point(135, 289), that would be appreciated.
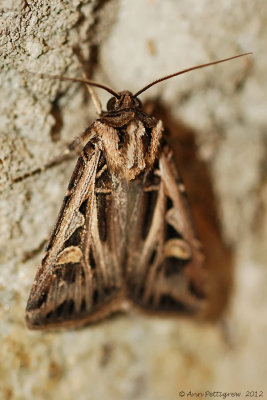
point(79, 280)
point(165, 263)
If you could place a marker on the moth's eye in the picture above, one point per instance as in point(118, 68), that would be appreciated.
point(111, 104)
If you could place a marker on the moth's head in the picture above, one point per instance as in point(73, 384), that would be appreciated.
point(124, 100)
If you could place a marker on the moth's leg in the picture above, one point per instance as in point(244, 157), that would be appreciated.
point(85, 65)
point(94, 98)
point(72, 149)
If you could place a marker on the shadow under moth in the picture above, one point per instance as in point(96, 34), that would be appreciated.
point(124, 235)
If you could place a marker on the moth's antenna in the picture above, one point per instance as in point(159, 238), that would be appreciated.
point(187, 70)
point(86, 81)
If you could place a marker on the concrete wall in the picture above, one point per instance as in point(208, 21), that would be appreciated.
point(217, 117)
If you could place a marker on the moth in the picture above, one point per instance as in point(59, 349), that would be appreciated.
point(124, 235)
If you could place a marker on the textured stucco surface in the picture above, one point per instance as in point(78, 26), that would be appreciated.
point(128, 44)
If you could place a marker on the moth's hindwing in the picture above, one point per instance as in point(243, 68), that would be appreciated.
point(79, 279)
point(165, 262)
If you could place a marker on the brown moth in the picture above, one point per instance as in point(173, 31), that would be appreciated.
point(124, 235)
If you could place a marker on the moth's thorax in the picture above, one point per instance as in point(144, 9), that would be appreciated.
point(129, 138)
point(131, 148)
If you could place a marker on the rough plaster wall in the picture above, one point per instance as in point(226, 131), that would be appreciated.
point(129, 43)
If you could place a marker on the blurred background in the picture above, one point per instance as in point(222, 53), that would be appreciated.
point(216, 118)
